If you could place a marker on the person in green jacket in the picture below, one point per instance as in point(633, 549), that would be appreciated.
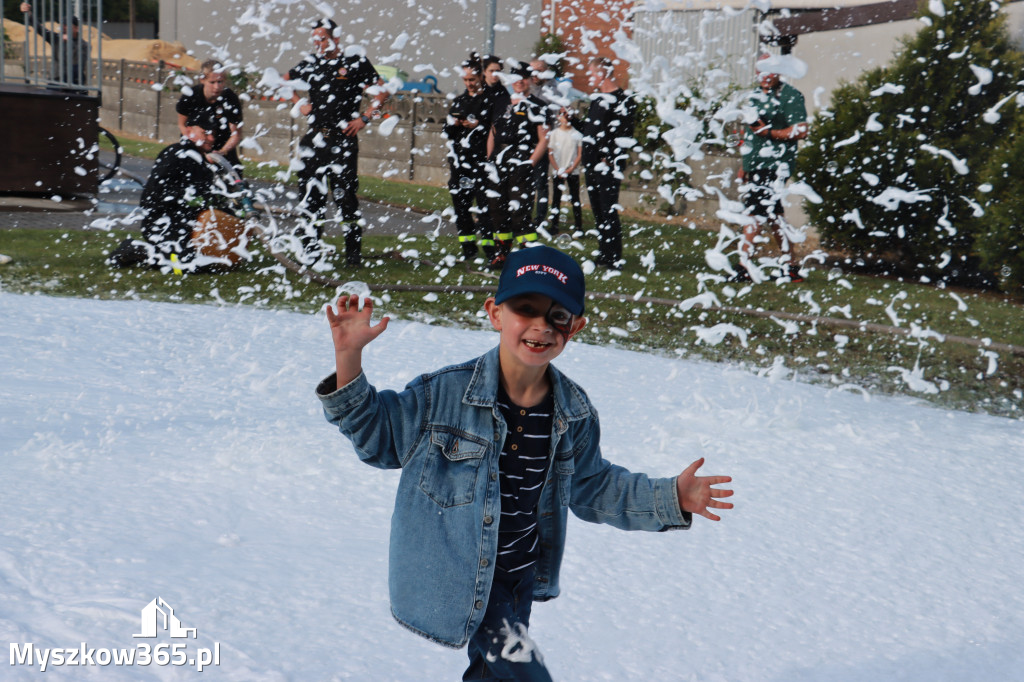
point(769, 151)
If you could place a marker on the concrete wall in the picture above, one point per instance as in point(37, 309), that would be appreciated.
point(438, 34)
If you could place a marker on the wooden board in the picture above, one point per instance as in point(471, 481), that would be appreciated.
point(47, 136)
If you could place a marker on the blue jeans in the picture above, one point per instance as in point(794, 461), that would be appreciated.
point(501, 649)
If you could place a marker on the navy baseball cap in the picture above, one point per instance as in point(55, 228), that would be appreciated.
point(543, 270)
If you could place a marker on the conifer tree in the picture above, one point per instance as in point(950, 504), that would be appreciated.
point(897, 159)
point(1000, 236)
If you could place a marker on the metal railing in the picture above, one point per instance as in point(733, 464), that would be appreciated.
point(57, 51)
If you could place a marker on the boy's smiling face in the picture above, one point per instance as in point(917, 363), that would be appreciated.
point(534, 329)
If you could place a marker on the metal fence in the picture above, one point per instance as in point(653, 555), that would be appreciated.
point(695, 45)
point(58, 46)
point(139, 98)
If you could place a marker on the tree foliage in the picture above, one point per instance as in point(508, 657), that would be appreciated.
point(146, 11)
point(549, 46)
point(899, 155)
point(1000, 244)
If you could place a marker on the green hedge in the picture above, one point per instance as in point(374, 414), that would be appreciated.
point(899, 156)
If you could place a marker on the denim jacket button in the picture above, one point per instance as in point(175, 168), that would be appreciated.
point(483, 563)
point(488, 520)
point(479, 604)
point(494, 476)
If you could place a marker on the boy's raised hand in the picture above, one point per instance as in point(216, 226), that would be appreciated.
point(351, 331)
point(350, 326)
point(696, 494)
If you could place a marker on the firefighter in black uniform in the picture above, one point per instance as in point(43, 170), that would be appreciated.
point(610, 117)
point(467, 128)
point(179, 187)
point(493, 87)
point(329, 151)
point(518, 141)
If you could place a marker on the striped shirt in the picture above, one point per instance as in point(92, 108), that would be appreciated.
point(522, 468)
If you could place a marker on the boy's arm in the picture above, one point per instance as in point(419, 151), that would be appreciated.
point(607, 493)
point(377, 422)
point(696, 494)
point(383, 426)
point(351, 331)
point(603, 492)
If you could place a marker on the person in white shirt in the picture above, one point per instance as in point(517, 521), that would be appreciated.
point(565, 149)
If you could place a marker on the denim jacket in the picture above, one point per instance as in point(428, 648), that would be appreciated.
point(446, 433)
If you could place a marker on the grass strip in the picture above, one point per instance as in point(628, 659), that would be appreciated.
point(417, 277)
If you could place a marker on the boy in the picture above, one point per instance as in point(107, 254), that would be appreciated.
point(493, 454)
point(565, 149)
point(769, 151)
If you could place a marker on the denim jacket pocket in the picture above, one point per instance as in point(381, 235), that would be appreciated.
point(450, 471)
point(564, 469)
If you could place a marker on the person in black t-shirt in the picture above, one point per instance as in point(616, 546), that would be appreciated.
point(611, 116)
point(213, 106)
point(466, 128)
point(336, 78)
point(517, 142)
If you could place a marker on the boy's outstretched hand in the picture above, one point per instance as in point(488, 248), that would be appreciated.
point(696, 494)
point(351, 331)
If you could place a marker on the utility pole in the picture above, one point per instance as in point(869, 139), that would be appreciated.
point(490, 17)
